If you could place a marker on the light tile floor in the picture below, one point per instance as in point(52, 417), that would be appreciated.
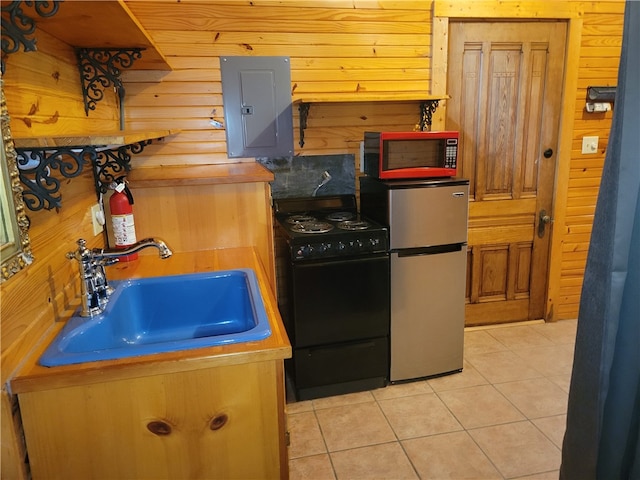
point(502, 417)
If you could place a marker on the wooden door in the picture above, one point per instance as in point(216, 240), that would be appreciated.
point(505, 82)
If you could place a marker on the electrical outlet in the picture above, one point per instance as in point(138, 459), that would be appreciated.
point(97, 219)
point(589, 145)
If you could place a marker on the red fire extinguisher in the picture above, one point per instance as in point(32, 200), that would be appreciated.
point(124, 228)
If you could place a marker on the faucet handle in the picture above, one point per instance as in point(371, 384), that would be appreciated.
point(105, 262)
point(80, 252)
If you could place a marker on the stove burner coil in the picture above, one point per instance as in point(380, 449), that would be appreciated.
point(294, 219)
point(354, 225)
point(312, 227)
point(340, 216)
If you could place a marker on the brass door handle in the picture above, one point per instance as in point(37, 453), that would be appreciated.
point(543, 219)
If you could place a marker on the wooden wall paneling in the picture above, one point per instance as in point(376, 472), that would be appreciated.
point(196, 218)
point(44, 96)
point(597, 64)
point(295, 17)
point(363, 47)
point(595, 32)
point(51, 283)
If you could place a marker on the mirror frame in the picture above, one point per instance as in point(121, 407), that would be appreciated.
point(21, 256)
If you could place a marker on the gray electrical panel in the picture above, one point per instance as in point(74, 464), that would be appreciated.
point(256, 92)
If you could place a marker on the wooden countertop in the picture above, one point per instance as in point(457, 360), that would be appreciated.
point(179, 175)
point(34, 377)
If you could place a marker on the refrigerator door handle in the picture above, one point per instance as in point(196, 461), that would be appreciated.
point(412, 252)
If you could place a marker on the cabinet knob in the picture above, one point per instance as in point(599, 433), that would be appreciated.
point(218, 421)
point(159, 428)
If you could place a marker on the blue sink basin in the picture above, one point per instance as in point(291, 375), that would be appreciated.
point(164, 314)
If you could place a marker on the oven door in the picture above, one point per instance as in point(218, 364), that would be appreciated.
point(340, 300)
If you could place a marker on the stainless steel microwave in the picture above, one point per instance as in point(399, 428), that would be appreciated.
point(406, 155)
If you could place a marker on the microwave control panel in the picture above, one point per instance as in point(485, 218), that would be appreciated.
point(451, 153)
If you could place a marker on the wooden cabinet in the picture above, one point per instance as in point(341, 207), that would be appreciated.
point(215, 423)
point(208, 413)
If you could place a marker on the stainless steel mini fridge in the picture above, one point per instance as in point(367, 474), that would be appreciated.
point(427, 222)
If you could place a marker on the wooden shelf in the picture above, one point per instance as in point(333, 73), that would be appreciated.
point(428, 104)
point(109, 157)
point(95, 140)
point(193, 175)
point(368, 97)
point(103, 24)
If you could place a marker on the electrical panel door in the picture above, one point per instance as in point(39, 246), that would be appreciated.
point(256, 92)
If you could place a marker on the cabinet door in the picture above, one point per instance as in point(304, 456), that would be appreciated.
point(219, 423)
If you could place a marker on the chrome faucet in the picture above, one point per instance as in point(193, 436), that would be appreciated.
point(94, 287)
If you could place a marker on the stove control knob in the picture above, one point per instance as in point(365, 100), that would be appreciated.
point(340, 247)
point(305, 251)
point(321, 248)
point(354, 245)
point(373, 243)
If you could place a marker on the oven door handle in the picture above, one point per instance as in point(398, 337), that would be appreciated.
point(328, 348)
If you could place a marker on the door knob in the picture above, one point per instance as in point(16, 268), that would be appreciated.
point(543, 219)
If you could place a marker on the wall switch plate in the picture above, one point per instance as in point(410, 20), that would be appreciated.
point(589, 145)
point(362, 156)
point(97, 219)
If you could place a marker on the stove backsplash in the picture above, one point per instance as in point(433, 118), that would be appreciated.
point(299, 176)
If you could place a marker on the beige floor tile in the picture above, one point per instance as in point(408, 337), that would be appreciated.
point(352, 426)
point(553, 427)
point(549, 360)
point(552, 475)
point(306, 438)
point(480, 406)
point(299, 407)
point(517, 337)
point(468, 377)
point(563, 381)
point(479, 341)
point(418, 415)
point(449, 456)
point(317, 467)
point(402, 390)
point(535, 397)
point(338, 400)
point(499, 367)
point(563, 331)
point(386, 461)
point(517, 449)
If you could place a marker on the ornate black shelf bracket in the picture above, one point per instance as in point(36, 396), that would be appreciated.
point(303, 108)
point(17, 26)
point(112, 165)
point(42, 188)
point(427, 109)
point(35, 165)
point(101, 68)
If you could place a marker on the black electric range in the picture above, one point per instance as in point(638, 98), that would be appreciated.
point(333, 295)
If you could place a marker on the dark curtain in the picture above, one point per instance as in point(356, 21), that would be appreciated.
point(602, 439)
